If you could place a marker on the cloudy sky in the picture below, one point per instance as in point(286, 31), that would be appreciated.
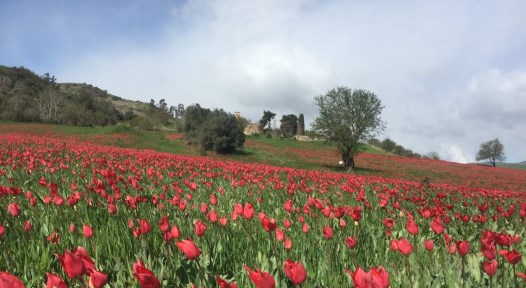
point(451, 74)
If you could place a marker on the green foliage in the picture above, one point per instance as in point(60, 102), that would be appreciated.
point(301, 124)
point(492, 150)
point(289, 125)
point(194, 117)
point(222, 133)
point(264, 123)
point(216, 130)
point(432, 155)
point(388, 145)
point(27, 97)
point(348, 117)
point(141, 123)
point(391, 146)
point(243, 122)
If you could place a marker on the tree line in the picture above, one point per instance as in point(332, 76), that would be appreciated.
point(392, 147)
point(290, 125)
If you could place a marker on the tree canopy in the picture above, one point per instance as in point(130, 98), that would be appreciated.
point(289, 125)
point(264, 123)
point(215, 130)
point(348, 118)
point(492, 150)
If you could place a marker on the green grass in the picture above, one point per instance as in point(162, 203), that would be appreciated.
point(138, 139)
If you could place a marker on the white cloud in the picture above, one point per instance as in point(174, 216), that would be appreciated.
point(446, 72)
point(454, 153)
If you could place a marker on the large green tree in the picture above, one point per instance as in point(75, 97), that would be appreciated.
point(348, 118)
point(222, 133)
point(264, 122)
point(289, 125)
point(492, 150)
point(214, 130)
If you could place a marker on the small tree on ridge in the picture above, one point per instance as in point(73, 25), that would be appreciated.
point(492, 150)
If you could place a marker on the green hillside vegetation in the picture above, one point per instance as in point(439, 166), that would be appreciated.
point(28, 97)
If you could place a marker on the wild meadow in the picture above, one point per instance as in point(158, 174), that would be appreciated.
point(80, 211)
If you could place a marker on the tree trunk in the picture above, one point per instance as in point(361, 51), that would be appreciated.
point(348, 161)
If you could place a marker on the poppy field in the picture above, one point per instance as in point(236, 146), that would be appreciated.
point(82, 214)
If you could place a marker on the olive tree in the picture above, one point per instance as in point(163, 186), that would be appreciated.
point(348, 118)
point(492, 150)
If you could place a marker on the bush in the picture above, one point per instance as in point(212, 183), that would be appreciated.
point(222, 133)
point(215, 130)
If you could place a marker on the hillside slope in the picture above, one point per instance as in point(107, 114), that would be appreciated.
point(28, 97)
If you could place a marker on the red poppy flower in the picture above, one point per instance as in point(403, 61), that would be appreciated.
point(164, 224)
point(462, 247)
point(261, 279)
point(490, 267)
point(513, 257)
point(394, 245)
point(305, 228)
point(280, 236)
point(199, 228)
point(268, 224)
point(204, 208)
point(97, 279)
point(411, 227)
point(503, 239)
point(88, 263)
point(175, 231)
point(144, 226)
point(72, 264)
point(224, 284)
point(295, 271)
point(2, 230)
point(223, 221)
point(404, 246)
point(436, 225)
point(288, 243)
point(112, 209)
point(54, 238)
point(27, 226)
point(212, 216)
point(350, 242)
point(88, 232)
point(145, 276)
point(377, 278)
point(10, 281)
point(429, 244)
point(327, 232)
point(54, 281)
point(488, 248)
point(189, 249)
point(452, 248)
point(14, 209)
point(248, 211)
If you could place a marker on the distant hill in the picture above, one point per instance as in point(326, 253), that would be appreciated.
point(28, 97)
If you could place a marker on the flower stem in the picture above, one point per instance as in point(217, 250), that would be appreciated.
point(408, 271)
point(514, 276)
point(463, 281)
